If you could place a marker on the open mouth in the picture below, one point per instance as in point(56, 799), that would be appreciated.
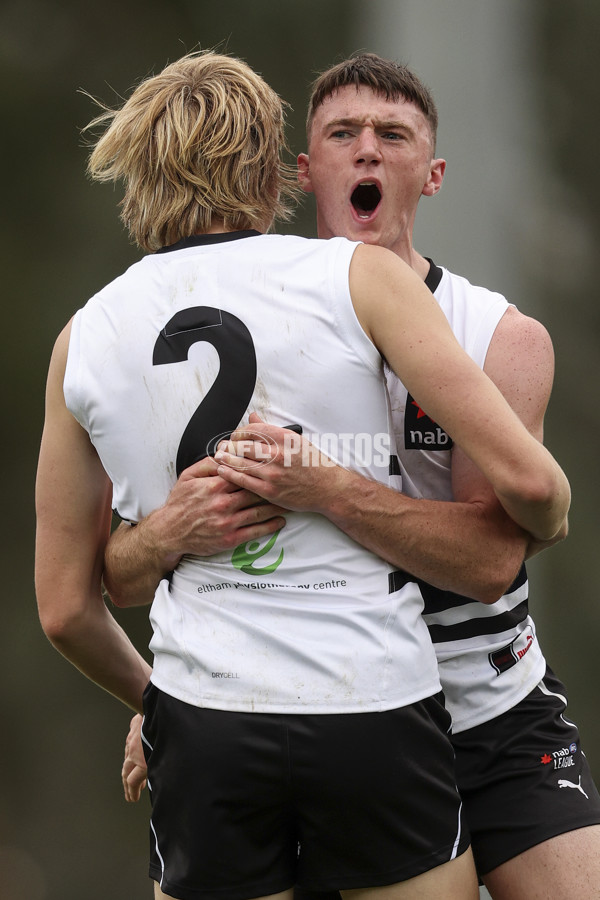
point(365, 199)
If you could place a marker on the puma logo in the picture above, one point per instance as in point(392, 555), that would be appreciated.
point(562, 783)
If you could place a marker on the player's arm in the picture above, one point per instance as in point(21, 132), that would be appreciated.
point(520, 362)
point(405, 323)
point(447, 543)
point(73, 506)
point(471, 547)
point(411, 332)
point(204, 514)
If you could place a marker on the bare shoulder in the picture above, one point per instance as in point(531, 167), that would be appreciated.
point(370, 261)
point(369, 254)
point(387, 292)
point(61, 345)
point(520, 361)
point(517, 333)
point(58, 361)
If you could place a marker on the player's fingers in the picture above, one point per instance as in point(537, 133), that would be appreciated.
point(135, 784)
point(265, 514)
point(203, 469)
point(258, 508)
point(237, 474)
point(125, 772)
point(256, 532)
point(256, 450)
point(255, 419)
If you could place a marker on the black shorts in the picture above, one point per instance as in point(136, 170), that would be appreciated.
point(524, 778)
point(247, 804)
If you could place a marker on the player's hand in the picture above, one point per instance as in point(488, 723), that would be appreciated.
point(279, 465)
point(206, 514)
point(134, 771)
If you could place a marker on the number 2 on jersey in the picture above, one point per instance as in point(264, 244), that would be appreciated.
point(221, 410)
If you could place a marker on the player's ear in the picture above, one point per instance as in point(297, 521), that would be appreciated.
point(303, 173)
point(437, 168)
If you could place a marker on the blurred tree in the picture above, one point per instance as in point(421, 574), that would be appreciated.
point(563, 251)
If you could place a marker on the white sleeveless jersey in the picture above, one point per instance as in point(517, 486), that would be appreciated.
point(489, 656)
point(176, 353)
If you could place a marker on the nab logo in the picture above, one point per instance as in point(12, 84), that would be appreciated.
point(421, 432)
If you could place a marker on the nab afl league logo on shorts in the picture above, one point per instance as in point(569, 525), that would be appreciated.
point(421, 432)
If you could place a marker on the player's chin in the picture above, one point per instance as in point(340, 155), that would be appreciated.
point(367, 230)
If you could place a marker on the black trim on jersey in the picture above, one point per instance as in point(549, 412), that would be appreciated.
point(122, 518)
point(437, 600)
point(397, 580)
point(202, 240)
point(441, 634)
point(434, 276)
point(421, 432)
point(394, 467)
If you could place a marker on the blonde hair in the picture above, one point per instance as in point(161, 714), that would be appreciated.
point(202, 140)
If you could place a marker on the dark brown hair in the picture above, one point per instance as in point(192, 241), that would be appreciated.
point(385, 77)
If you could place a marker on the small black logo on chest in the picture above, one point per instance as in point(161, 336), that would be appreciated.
point(421, 432)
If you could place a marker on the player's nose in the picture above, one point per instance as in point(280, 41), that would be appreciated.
point(367, 148)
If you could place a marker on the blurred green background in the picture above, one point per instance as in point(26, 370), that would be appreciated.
point(517, 88)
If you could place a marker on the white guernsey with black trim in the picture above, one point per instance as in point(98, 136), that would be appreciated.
point(489, 656)
point(173, 355)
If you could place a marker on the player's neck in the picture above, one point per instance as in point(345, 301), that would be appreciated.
point(403, 247)
point(217, 226)
point(419, 264)
point(410, 256)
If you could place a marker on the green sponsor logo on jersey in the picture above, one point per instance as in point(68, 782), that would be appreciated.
point(244, 556)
